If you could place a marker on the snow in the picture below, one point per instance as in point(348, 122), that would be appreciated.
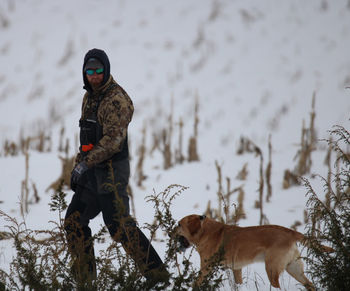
point(254, 66)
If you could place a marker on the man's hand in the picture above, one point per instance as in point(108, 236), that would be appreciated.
point(77, 172)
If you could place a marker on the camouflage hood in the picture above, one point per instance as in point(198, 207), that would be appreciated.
point(103, 58)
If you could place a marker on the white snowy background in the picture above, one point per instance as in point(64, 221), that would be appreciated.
point(254, 66)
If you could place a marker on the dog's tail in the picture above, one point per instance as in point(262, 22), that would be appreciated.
point(307, 242)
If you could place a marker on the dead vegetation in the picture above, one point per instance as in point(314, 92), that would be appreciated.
point(67, 167)
point(29, 192)
point(192, 147)
point(268, 173)
point(140, 176)
point(169, 142)
point(303, 155)
point(248, 146)
point(179, 157)
point(329, 220)
point(42, 260)
point(40, 140)
point(225, 196)
point(4, 21)
point(230, 206)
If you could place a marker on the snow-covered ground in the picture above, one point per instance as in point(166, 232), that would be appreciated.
point(254, 66)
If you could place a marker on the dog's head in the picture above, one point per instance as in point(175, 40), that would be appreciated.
point(188, 228)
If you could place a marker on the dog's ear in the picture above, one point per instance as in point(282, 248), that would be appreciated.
point(201, 219)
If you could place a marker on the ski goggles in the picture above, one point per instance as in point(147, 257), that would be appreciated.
point(90, 72)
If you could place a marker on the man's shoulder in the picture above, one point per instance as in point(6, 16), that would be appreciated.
point(116, 94)
point(116, 100)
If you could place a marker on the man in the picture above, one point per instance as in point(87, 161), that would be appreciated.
point(100, 176)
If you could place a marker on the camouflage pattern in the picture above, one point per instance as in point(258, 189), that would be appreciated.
point(114, 115)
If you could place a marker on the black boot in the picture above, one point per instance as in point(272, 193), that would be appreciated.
point(159, 276)
point(84, 267)
point(142, 252)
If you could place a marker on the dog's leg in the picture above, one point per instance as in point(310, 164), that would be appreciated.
point(296, 270)
point(203, 272)
point(238, 276)
point(274, 267)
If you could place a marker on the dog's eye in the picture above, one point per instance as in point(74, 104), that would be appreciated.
point(179, 224)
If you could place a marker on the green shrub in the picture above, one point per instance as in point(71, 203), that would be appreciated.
point(42, 261)
point(330, 221)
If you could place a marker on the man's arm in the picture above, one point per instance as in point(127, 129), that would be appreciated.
point(115, 115)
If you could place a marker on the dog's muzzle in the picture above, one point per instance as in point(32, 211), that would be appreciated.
point(182, 243)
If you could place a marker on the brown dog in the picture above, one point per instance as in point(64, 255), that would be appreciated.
point(276, 245)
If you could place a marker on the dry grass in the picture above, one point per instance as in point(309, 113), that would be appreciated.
point(192, 147)
point(303, 155)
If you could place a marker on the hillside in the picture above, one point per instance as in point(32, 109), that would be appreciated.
point(252, 66)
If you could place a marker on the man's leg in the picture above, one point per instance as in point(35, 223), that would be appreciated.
point(78, 234)
point(123, 228)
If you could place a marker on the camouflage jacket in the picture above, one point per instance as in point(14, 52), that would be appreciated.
point(114, 115)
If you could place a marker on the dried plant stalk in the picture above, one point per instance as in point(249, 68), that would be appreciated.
point(141, 154)
point(308, 144)
point(166, 150)
point(67, 167)
point(290, 179)
point(192, 147)
point(261, 185)
point(242, 174)
point(179, 157)
point(329, 175)
point(268, 174)
point(25, 188)
point(220, 189)
point(240, 213)
point(60, 142)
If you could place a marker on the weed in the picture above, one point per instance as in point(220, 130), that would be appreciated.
point(42, 260)
point(330, 221)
